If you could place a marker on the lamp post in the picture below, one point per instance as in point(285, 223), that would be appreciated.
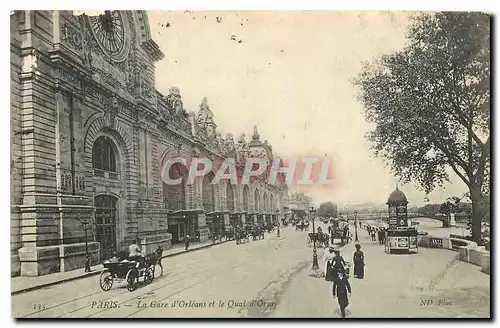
point(278, 221)
point(315, 266)
point(85, 225)
point(356, 225)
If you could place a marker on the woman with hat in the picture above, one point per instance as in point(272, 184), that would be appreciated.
point(338, 262)
point(328, 264)
point(340, 288)
point(359, 262)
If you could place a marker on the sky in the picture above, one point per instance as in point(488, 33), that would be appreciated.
point(289, 73)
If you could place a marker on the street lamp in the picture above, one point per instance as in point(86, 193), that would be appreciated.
point(315, 266)
point(278, 221)
point(85, 225)
point(356, 224)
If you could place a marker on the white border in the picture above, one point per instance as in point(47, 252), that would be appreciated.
point(426, 5)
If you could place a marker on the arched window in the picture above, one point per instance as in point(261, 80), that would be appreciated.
point(174, 195)
point(246, 197)
point(208, 193)
point(103, 154)
point(272, 207)
point(256, 200)
point(230, 197)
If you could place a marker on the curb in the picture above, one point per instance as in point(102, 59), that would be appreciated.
point(93, 273)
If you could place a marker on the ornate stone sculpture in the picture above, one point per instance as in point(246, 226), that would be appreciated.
point(242, 144)
point(220, 142)
point(205, 115)
point(111, 111)
point(230, 146)
point(174, 102)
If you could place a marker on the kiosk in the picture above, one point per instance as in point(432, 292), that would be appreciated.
point(399, 237)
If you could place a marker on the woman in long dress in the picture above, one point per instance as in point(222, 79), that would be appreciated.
point(359, 262)
point(328, 257)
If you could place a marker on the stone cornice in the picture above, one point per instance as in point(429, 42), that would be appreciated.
point(153, 50)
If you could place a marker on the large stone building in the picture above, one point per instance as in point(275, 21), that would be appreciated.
point(90, 134)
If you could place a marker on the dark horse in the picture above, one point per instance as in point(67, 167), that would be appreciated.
point(154, 259)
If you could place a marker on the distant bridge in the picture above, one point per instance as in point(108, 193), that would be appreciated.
point(384, 216)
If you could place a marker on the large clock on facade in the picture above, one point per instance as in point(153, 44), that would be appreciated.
point(111, 33)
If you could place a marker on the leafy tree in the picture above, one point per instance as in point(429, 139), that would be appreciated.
point(430, 103)
point(327, 210)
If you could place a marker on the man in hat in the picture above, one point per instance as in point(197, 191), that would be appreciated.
point(341, 287)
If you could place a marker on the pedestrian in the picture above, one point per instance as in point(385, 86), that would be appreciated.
point(341, 287)
point(338, 263)
point(373, 235)
point(359, 262)
point(327, 263)
point(186, 242)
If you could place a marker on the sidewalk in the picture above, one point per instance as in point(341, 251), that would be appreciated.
point(22, 284)
point(394, 286)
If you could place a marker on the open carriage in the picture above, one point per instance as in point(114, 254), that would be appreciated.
point(132, 272)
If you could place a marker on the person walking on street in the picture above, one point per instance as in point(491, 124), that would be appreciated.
point(327, 261)
point(359, 262)
point(186, 242)
point(338, 263)
point(341, 287)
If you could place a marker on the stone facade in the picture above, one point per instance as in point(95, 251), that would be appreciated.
point(90, 134)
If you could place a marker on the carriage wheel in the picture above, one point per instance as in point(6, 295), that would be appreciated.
point(149, 276)
point(131, 285)
point(106, 280)
point(158, 269)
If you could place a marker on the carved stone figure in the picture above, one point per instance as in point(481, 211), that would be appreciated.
point(230, 147)
point(111, 110)
point(210, 129)
point(242, 144)
point(174, 101)
point(205, 115)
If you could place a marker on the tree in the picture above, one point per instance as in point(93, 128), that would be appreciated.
point(327, 210)
point(430, 103)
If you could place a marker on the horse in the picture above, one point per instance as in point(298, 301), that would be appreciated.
point(154, 259)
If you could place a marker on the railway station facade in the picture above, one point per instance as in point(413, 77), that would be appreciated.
point(89, 136)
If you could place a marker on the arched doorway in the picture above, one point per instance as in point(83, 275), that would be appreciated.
point(105, 224)
point(180, 223)
point(213, 219)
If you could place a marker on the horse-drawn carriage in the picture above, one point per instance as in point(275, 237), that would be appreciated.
point(228, 234)
point(241, 235)
point(132, 272)
point(339, 230)
point(257, 232)
point(320, 238)
point(302, 226)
